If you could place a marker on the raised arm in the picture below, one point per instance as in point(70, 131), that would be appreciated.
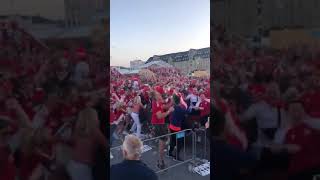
point(183, 102)
point(233, 129)
point(161, 115)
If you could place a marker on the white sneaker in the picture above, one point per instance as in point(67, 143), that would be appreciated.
point(111, 156)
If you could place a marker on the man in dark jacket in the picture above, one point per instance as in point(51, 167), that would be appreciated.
point(132, 168)
point(176, 119)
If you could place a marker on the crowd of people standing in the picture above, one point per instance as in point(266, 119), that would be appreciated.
point(53, 104)
point(153, 107)
point(268, 100)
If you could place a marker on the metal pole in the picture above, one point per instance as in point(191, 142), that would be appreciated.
point(176, 147)
point(193, 147)
point(205, 143)
point(184, 147)
point(195, 144)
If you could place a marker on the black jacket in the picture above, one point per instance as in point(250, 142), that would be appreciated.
point(132, 170)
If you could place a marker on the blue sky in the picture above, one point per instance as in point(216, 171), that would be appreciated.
point(140, 29)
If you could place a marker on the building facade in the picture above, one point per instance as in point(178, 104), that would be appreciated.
point(188, 61)
point(240, 17)
point(84, 12)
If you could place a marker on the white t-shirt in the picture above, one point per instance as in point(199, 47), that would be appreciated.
point(193, 100)
point(135, 84)
point(266, 117)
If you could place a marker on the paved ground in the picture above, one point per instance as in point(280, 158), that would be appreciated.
point(174, 173)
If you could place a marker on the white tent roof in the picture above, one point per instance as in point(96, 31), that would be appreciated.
point(144, 66)
point(157, 63)
point(128, 71)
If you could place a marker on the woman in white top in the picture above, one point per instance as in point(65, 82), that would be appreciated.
point(136, 127)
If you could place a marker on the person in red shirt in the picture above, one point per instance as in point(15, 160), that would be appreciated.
point(301, 141)
point(305, 151)
point(235, 134)
point(311, 99)
point(204, 107)
point(158, 121)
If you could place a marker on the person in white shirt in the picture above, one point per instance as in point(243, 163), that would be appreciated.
point(266, 115)
point(135, 85)
point(194, 99)
point(136, 127)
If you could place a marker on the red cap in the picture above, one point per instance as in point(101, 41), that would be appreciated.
point(81, 53)
point(257, 90)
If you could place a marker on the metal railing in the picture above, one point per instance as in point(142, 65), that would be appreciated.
point(193, 134)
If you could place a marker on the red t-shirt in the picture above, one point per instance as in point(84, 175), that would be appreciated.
point(207, 93)
point(308, 140)
point(311, 103)
point(156, 107)
point(206, 106)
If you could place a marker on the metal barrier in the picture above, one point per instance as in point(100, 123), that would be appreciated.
point(202, 137)
point(192, 133)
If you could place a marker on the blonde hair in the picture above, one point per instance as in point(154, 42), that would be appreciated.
point(137, 100)
point(132, 145)
point(87, 122)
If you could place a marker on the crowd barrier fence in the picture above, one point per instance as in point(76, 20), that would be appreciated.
point(195, 135)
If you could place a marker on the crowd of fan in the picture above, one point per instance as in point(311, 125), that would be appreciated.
point(53, 102)
point(269, 105)
point(153, 107)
